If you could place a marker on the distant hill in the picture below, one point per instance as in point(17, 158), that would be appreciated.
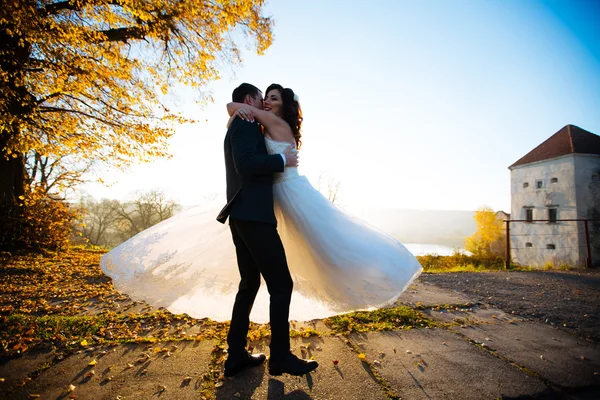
point(443, 227)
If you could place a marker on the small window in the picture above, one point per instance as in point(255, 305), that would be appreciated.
point(528, 244)
point(539, 184)
point(553, 180)
point(525, 185)
point(550, 246)
point(552, 215)
point(529, 214)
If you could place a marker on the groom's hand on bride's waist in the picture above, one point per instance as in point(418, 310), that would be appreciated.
point(290, 157)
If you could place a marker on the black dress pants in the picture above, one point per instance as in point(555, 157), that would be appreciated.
point(260, 251)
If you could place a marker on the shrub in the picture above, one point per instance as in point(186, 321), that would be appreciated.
point(44, 223)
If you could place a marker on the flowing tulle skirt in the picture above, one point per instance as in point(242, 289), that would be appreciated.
point(338, 263)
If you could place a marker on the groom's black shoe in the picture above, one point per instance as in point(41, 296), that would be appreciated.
point(236, 364)
point(292, 365)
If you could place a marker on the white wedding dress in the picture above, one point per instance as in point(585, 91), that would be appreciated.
point(187, 263)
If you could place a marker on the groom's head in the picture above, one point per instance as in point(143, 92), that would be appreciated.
point(248, 94)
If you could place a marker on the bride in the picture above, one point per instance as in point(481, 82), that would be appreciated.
point(338, 263)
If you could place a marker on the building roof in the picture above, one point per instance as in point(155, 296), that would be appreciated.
point(569, 140)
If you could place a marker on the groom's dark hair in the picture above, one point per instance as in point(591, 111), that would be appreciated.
point(240, 92)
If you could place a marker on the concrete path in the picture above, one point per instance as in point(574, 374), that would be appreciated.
point(477, 352)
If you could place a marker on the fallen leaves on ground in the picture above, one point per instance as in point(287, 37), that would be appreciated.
point(64, 299)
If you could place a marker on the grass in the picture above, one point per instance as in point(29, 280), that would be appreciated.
point(551, 266)
point(460, 262)
point(50, 327)
point(384, 319)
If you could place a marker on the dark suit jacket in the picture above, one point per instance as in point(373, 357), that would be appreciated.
point(249, 169)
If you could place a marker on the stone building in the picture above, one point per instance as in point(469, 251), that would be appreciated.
point(559, 179)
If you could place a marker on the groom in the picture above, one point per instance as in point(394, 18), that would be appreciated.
point(249, 169)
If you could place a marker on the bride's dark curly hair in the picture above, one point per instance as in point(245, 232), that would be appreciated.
point(291, 111)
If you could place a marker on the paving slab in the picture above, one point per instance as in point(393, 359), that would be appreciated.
point(555, 355)
point(16, 370)
point(428, 295)
point(141, 381)
point(438, 364)
point(348, 380)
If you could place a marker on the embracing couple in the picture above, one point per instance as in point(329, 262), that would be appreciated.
point(283, 229)
point(249, 171)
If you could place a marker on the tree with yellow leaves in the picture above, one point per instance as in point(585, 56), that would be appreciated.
point(87, 78)
point(489, 236)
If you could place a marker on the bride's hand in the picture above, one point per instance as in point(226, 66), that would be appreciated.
point(244, 113)
point(291, 156)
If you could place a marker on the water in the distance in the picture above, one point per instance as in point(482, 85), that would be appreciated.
point(419, 249)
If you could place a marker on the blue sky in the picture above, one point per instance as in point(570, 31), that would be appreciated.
point(409, 104)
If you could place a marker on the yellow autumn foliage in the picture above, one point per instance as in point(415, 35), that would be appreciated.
point(88, 78)
point(489, 235)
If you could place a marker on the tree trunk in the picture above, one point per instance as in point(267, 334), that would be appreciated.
point(12, 186)
point(17, 103)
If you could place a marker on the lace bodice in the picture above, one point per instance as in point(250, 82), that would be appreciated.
point(276, 147)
